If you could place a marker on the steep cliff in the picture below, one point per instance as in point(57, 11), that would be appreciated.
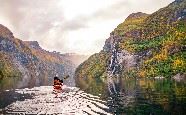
point(27, 60)
point(144, 45)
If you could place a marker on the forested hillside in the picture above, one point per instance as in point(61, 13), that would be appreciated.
point(144, 45)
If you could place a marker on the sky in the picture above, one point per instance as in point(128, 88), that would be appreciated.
point(70, 26)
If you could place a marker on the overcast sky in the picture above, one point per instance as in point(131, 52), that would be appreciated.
point(70, 26)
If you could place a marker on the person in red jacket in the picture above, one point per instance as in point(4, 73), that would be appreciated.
point(57, 86)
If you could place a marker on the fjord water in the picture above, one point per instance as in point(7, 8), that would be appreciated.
point(143, 96)
point(41, 99)
point(105, 95)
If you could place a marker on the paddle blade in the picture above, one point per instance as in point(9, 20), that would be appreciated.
point(66, 77)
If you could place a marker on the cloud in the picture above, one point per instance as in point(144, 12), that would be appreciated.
point(70, 25)
point(30, 16)
point(113, 11)
point(74, 25)
point(39, 20)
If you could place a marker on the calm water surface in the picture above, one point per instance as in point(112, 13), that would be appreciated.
point(143, 96)
point(108, 95)
point(34, 99)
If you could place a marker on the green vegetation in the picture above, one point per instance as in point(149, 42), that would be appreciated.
point(137, 46)
point(95, 66)
point(167, 67)
point(6, 68)
point(131, 23)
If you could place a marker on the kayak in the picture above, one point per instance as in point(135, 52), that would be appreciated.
point(59, 89)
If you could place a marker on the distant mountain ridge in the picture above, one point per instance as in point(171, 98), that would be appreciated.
point(73, 58)
point(76, 59)
point(34, 65)
point(144, 45)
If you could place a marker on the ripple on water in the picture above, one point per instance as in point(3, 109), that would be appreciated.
point(71, 101)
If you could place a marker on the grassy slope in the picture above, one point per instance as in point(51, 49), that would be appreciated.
point(94, 66)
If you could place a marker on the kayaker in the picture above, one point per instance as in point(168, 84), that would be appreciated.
point(57, 86)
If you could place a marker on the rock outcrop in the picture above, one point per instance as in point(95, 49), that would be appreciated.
point(120, 59)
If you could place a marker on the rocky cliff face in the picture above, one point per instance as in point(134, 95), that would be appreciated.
point(27, 60)
point(144, 45)
point(120, 59)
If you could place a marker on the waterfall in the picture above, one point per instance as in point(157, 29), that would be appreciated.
point(111, 86)
point(114, 65)
point(120, 59)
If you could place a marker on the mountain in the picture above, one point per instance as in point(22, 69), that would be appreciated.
point(32, 64)
point(144, 45)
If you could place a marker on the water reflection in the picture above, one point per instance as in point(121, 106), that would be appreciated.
point(8, 83)
point(138, 96)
